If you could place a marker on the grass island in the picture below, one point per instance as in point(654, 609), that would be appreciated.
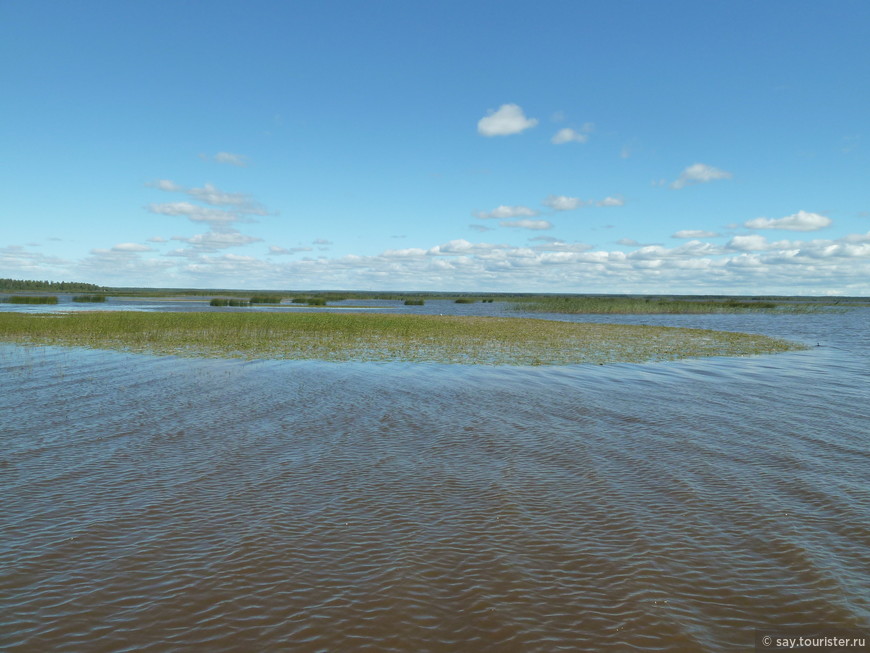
point(378, 337)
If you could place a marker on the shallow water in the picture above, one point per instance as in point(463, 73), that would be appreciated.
point(154, 503)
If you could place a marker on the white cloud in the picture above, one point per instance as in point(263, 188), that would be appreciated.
point(240, 203)
point(502, 212)
point(212, 241)
point(527, 224)
point(480, 228)
point(694, 233)
point(131, 247)
point(559, 246)
point(228, 158)
point(158, 239)
point(508, 119)
point(800, 221)
point(167, 185)
point(749, 243)
point(562, 202)
point(275, 251)
point(568, 135)
point(699, 173)
point(611, 201)
point(195, 213)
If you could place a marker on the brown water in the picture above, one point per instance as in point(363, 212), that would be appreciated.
point(158, 504)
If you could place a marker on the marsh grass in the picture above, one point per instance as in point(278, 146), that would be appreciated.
point(221, 301)
point(465, 300)
point(627, 305)
point(96, 299)
point(415, 302)
point(379, 337)
point(30, 299)
point(266, 299)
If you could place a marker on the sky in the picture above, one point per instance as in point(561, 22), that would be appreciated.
point(565, 147)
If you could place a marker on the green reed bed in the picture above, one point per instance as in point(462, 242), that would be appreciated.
point(625, 305)
point(222, 301)
point(30, 299)
point(94, 299)
point(378, 337)
point(415, 302)
point(266, 299)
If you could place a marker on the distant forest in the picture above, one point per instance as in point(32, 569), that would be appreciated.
point(55, 286)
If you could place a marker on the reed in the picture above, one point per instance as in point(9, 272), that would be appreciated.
point(96, 299)
point(220, 301)
point(266, 299)
point(465, 300)
point(30, 299)
point(626, 305)
point(415, 302)
point(378, 337)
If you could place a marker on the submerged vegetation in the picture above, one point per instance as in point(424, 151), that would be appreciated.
point(30, 299)
point(378, 337)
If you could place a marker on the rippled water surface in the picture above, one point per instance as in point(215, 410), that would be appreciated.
point(156, 503)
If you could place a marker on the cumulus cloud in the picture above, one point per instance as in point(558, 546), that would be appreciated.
point(508, 119)
point(749, 243)
point(502, 212)
point(800, 221)
point(699, 173)
point(131, 247)
point(215, 240)
point(611, 201)
point(242, 202)
point(562, 202)
point(166, 184)
point(222, 207)
point(527, 224)
point(694, 233)
point(195, 213)
point(568, 135)
point(279, 251)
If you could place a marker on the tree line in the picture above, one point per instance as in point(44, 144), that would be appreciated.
point(56, 286)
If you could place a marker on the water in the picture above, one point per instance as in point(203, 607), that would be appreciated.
point(155, 503)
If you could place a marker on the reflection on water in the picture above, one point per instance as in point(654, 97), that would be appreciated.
point(152, 503)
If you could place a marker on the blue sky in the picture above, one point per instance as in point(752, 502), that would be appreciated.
point(673, 147)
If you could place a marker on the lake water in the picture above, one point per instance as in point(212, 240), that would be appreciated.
point(158, 503)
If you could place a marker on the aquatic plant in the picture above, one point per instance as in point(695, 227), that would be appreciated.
point(623, 304)
point(220, 301)
point(265, 299)
point(378, 337)
point(414, 302)
point(465, 300)
point(30, 299)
